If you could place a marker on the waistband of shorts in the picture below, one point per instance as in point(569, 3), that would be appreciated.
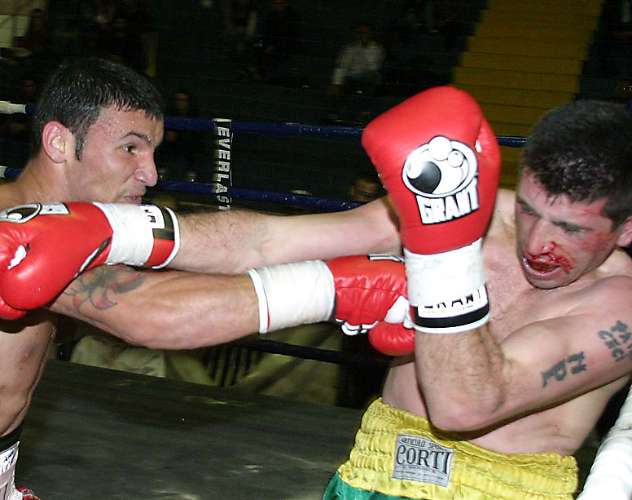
point(475, 472)
point(10, 439)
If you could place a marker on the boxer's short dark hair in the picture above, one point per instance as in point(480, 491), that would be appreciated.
point(584, 149)
point(78, 89)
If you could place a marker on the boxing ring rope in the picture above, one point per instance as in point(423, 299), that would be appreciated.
point(616, 447)
point(278, 129)
point(262, 128)
point(290, 199)
point(612, 468)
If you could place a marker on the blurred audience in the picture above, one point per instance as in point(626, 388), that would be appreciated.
point(123, 44)
point(357, 72)
point(418, 16)
point(412, 41)
point(95, 23)
point(33, 50)
point(277, 44)
point(359, 64)
point(36, 41)
point(240, 25)
point(366, 188)
point(181, 154)
point(141, 20)
point(121, 30)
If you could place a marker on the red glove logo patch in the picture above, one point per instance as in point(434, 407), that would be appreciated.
point(23, 213)
point(443, 175)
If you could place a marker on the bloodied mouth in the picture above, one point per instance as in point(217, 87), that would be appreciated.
point(548, 262)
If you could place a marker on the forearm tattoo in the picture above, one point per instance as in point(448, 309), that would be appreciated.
point(618, 340)
point(99, 287)
point(573, 364)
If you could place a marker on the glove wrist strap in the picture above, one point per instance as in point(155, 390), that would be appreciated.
point(293, 294)
point(447, 290)
point(142, 235)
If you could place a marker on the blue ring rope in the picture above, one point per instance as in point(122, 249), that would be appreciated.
point(294, 129)
point(264, 128)
point(290, 199)
point(284, 128)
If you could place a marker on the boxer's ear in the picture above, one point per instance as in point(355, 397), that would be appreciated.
point(625, 235)
point(55, 141)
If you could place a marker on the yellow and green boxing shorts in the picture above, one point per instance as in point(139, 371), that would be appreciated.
point(396, 455)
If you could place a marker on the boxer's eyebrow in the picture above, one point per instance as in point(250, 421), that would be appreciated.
point(141, 136)
point(570, 227)
point(525, 206)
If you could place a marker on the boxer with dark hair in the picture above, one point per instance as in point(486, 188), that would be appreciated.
point(523, 329)
point(96, 130)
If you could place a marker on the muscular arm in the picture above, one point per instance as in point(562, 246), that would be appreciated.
point(480, 378)
point(166, 310)
point(183, 310)
point(230, 242)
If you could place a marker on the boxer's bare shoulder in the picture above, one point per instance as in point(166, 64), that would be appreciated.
point(503, 224)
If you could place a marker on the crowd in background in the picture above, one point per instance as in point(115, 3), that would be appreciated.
point(270, 41)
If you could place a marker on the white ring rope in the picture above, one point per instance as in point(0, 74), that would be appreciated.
point(9, 108)
point(610, 476)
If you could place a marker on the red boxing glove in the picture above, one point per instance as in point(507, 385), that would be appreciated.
point(392, 339)
point(440, 162)
point(44, 247)
point(8, 312)
point(371, 297)
point(357, 292)
point(368, 289)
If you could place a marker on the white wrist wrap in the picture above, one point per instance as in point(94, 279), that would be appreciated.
point(611, 473)
point(293, 294)
point(447, 290)
point(132, 232)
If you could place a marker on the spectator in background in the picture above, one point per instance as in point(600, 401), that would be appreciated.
point(419, 16)
point(37, 38)
point(412, 40)
point(33, 50)
point(120, 30)
point(181, 152)
point(123, 44)
point(366, 188)
point(140, 20)
point(278, 41)
point(240, 25)
point(95, 24)
point(359, 64)
point(358, 71)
